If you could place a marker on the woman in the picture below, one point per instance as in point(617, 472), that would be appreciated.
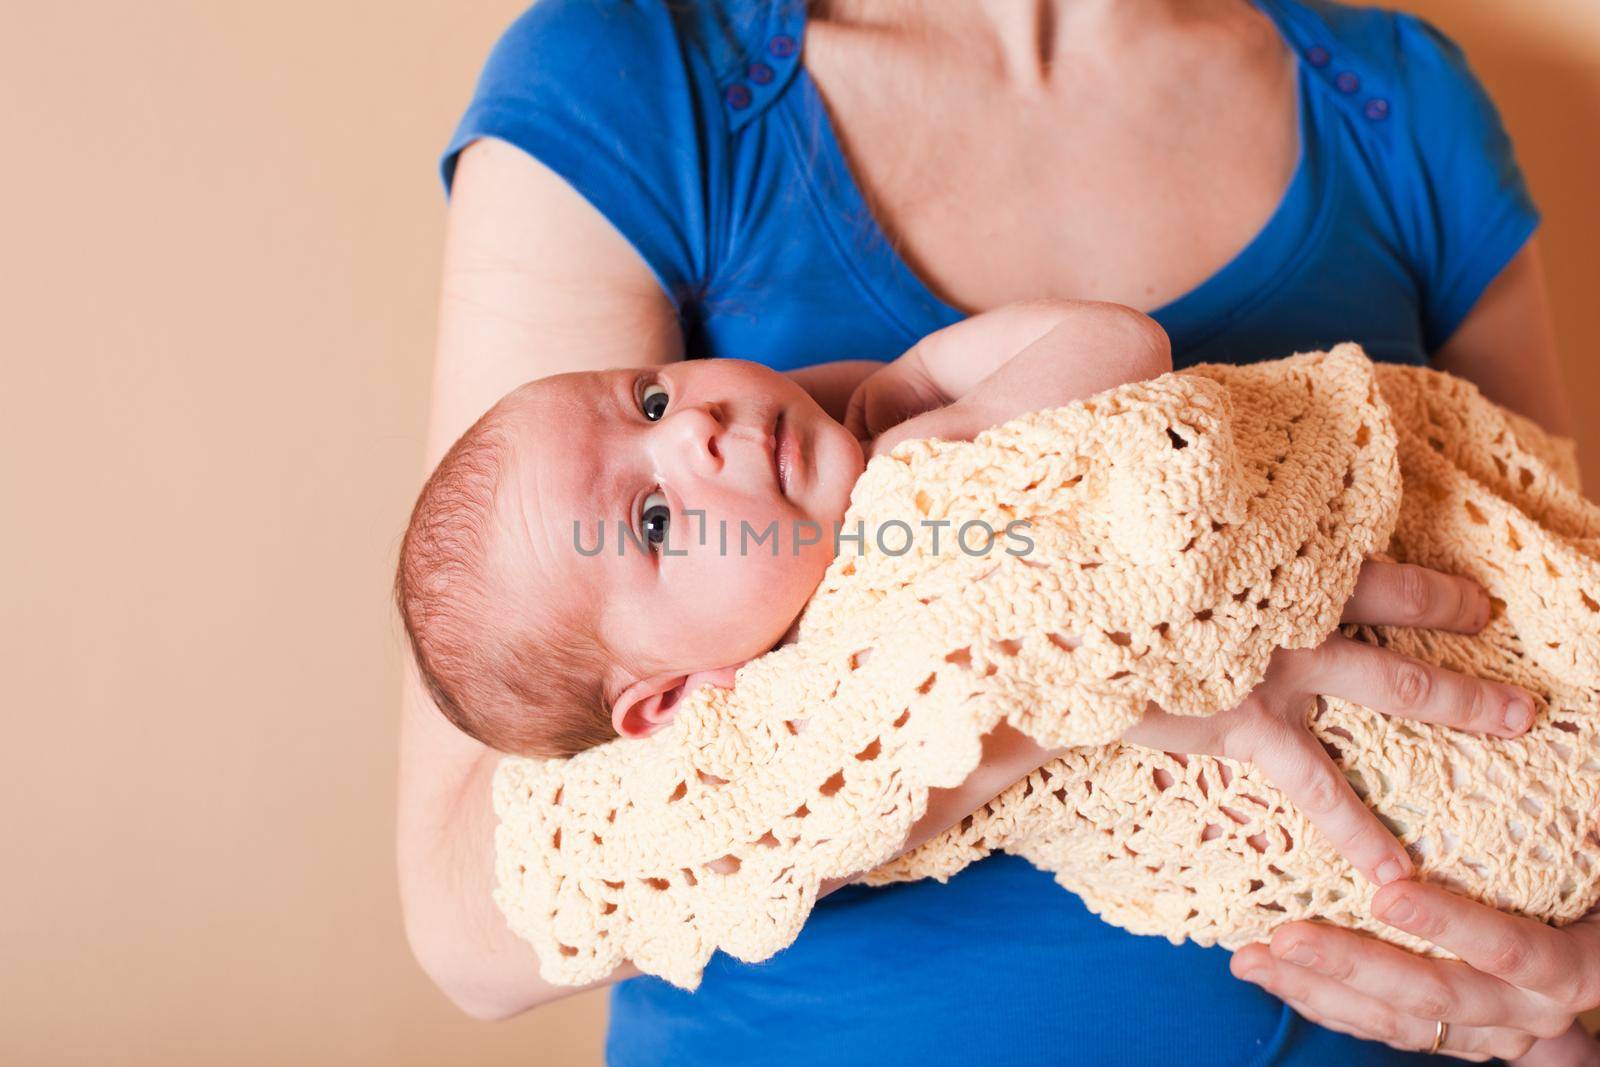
point(636, 183)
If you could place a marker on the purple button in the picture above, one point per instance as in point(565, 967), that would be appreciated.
point(737, 95)
point(1318, 56)
point(1377, 109)
point(759, 73)
point(1347, 82)
point(781, 46)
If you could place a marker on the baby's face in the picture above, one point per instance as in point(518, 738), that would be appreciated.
point(674, 473)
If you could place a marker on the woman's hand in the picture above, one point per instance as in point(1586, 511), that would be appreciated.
point(1517, 980)
point(1270, 728)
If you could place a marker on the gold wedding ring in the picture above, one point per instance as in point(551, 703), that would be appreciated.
point(1440, 1029)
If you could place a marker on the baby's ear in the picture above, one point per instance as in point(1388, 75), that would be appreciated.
point(646, 706)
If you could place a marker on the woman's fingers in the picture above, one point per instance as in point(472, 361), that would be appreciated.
point(1428, 989)
point(1386, 681)
point(1559, 965)
point(1305, 1011)
point(1334, 1004)
point(1403, 594)
point(1296, 763)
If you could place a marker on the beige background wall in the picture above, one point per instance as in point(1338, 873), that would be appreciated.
point(219, 230)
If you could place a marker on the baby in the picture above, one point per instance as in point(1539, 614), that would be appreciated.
point(711, 490)
point(600, 544)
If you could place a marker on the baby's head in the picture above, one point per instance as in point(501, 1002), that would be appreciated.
point(601, 543)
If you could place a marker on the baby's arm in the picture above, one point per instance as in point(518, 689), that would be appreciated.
point(832, 384)
point(1003, 363)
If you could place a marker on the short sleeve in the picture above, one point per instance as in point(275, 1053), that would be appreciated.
point(1471, 211)
point(605, 94)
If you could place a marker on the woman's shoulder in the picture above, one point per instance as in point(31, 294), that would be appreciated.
point(593, 46)
point(1407, 85)
point(628, 68)
point(1435, 142)
point(1361, 49)
point(723, 36)
point(636, 104)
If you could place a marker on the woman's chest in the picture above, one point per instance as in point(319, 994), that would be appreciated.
point(851, 226)
point(1132, 189)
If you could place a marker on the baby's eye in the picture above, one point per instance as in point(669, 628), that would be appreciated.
point(657, 513)
point(653, 401)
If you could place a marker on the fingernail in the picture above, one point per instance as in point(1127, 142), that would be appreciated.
point(1301, 954)
point(1518, 715)
point(1400, 912)
point(1485, 609)
point(1390, 871)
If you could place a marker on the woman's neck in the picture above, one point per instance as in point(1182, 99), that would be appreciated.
point(1029, 38)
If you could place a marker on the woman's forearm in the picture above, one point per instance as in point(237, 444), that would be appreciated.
point(536, 281)
point(1009, 755)
point(445, 854)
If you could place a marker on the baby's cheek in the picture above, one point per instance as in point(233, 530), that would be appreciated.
point(804, 570)
point(779, 585)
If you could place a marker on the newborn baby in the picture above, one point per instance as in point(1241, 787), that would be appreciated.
point(1212, 497)
point(599, 544)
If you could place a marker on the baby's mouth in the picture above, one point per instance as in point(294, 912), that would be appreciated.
point(785, 453)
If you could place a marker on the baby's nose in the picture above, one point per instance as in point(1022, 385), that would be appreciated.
point(693, 438)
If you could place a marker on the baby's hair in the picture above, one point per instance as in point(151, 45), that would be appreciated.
point(518, 687)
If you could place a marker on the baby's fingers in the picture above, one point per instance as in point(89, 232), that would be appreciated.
point(855, 414)
point(1295, 762)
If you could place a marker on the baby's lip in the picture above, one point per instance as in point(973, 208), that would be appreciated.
point(789, 447)
point(774, 449)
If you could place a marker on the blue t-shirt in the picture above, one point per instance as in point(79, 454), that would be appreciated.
point(694, 128)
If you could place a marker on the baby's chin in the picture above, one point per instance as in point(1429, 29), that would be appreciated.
point(791, 635)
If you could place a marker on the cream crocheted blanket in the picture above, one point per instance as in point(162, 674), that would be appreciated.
point(1183, 529)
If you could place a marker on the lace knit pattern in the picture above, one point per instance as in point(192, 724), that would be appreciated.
point(1182, 529)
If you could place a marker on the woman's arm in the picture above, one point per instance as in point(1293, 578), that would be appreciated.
point(537, 282)
point(1507, 344)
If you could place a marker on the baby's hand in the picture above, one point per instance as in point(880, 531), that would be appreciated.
point(899, 391)
point(1004, 363)
point(960, 421)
